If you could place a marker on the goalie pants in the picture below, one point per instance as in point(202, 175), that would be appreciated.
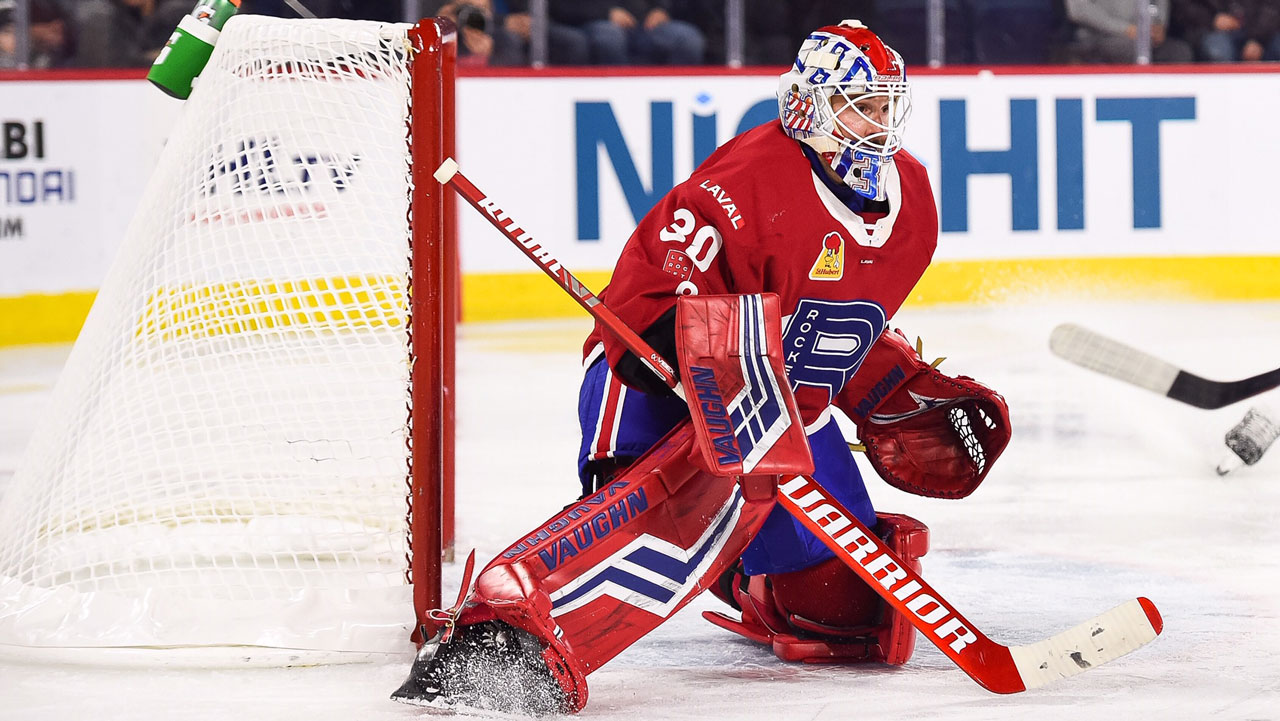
point(620, 422)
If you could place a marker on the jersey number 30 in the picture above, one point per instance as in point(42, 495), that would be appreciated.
point(706, 244)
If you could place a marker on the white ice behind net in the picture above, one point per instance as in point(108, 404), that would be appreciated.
point(223, 463)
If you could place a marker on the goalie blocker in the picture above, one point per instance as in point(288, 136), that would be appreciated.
point(604, 572)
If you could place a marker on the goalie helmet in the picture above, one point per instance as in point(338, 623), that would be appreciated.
point(847, 97)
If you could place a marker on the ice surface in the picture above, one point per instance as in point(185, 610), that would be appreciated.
point(1106, 492)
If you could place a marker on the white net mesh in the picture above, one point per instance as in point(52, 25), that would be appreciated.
point(224, 459)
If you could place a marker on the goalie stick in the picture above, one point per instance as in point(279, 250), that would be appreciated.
point(1097, 352)
point(996, 667)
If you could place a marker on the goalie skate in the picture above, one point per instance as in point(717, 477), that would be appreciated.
point(489, 666)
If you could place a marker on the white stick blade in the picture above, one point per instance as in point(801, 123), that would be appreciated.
point(1103, 638)
point(1110, 357)
point(1230, 463)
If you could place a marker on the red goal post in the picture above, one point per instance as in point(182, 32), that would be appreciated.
point(432, 497)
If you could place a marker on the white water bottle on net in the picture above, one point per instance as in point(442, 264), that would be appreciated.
point(225, 468)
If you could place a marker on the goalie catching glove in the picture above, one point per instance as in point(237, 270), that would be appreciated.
point(925, 432)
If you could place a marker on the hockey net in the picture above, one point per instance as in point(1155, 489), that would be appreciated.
point(225, 471)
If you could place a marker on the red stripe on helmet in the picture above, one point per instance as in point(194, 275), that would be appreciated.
point(882, 58)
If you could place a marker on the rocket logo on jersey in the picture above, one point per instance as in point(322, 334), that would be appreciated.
point(830, 262)
point(825, 341)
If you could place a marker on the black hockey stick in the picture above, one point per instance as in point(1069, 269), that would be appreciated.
point(1097, 352)
point(995, 666)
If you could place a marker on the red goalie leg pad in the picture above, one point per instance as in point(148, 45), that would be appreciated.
point(609, 569)
point(826, 613)
point(908, 538)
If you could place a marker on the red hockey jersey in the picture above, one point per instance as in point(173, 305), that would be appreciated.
point(756, 218)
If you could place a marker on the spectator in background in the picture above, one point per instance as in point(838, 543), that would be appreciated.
point(482, 38)
point(657, 38)
point(52, 37)
point(125, 33)
point(566, 45)
point(773, 30)
point(620, 32)
point(1107, 32)
point(1224, 31)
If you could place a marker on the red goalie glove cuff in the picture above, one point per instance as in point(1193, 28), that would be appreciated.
point(925, 432)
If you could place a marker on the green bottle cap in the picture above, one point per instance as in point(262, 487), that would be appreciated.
point(215, 13)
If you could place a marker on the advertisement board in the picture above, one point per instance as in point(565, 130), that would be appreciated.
point(1144, 181)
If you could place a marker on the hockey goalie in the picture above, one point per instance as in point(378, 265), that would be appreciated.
point(768, 280)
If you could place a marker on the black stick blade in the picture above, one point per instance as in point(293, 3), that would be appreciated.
point(1092, 350)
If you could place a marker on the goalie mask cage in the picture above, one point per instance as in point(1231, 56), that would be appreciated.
point(259, 405)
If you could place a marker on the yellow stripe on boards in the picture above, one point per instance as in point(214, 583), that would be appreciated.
point(57, 318)
point(518, 296)
point(1198, 278)
point(521, 296)
point(43, 318)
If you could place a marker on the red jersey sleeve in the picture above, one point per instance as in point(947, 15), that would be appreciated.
point(677, 249)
